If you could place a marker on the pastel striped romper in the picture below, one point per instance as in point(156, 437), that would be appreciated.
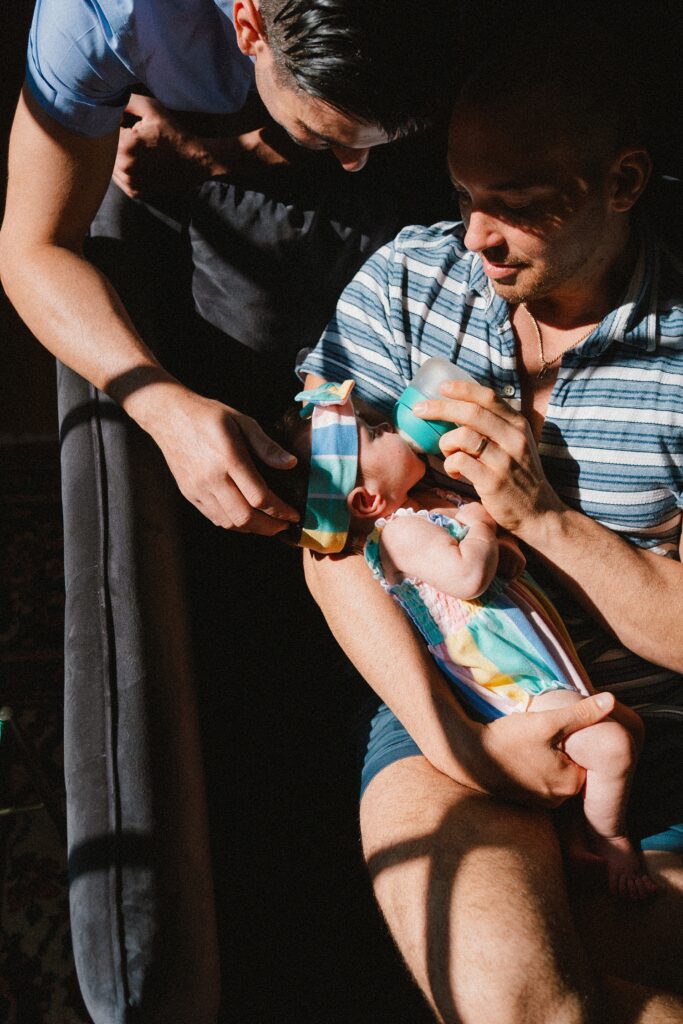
point(499, 650)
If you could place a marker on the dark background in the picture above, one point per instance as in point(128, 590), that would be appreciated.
point(28, 402)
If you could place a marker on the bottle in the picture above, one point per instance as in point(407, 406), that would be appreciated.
point(424, 435)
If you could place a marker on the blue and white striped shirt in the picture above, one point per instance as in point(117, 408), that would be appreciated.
point(612, 441)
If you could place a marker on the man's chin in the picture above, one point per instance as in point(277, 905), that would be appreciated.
point(520, 291)
point(512, 293)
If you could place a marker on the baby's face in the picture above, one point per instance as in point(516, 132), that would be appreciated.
point(388, 465)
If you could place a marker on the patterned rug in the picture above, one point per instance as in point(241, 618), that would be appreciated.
point(37, 979)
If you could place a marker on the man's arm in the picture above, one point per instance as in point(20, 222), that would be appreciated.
point(167, 152)
point(622, 586)
point(56, 182)
point(517, 757)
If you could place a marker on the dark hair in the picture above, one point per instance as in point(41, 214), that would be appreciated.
point(293, 434)
point(570, 73)
point(380, 61)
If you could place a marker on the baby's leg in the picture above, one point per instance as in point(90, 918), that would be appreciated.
point(607, 752)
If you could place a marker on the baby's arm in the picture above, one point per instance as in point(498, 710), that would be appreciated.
point(415, 547)
point(511, 561)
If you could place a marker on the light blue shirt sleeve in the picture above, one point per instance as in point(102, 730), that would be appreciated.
point(72, 69)
point(85, 57)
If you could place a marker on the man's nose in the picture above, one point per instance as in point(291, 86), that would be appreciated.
point(351, 159)
point(483, 232)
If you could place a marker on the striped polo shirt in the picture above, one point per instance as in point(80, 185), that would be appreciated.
point(612, 441)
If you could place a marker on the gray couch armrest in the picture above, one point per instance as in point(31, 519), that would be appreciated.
point(142, 909)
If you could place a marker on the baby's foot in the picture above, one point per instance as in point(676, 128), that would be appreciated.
point(626, 873)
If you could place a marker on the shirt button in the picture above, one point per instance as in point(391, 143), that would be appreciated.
point(508, 391)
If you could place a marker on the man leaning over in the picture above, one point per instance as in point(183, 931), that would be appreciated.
point(334, 75)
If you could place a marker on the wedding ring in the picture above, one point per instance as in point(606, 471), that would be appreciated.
point(480, 448)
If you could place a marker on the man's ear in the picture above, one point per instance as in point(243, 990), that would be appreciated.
point(248, 24)
point(365, 505)
point(630, 174)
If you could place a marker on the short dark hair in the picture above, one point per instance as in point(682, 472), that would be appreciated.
point(380, 61)
point(570, 72)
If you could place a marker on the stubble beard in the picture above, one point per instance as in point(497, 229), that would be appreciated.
point(540, 284)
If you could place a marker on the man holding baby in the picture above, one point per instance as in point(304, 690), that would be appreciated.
point(557, 294)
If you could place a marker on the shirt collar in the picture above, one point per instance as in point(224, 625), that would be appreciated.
point(634, 321)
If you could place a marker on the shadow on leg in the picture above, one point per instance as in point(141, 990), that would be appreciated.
point(473, 893)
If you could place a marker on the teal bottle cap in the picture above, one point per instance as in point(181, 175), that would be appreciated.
point(424, 435)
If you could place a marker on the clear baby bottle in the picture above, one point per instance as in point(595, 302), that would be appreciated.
point(424, 435)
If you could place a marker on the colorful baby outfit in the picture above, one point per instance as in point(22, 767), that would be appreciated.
point(499, 650)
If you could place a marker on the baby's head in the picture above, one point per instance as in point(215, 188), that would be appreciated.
point(349, 471)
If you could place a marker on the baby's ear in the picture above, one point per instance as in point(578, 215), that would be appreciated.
point(364, 505)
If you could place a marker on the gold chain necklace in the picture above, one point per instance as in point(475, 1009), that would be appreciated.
point(547, 364)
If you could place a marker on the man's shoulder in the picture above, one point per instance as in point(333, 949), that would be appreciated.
point(421, 250)
point(85, 56)
point(444, 237)
point(664, 312)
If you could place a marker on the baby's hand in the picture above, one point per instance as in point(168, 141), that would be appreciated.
point(511, 561)
point(473, 512)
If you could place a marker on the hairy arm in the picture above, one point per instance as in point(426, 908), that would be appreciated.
point(170, 152)
point(380, 641)
point(56, 182)
point(621, 585)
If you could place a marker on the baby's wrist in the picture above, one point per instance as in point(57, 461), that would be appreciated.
point(481, 531)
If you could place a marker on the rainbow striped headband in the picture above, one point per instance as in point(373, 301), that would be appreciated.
point(334, 466)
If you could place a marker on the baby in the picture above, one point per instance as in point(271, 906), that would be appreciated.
point(498, 640)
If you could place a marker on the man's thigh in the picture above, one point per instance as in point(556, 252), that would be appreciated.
point(473, 892)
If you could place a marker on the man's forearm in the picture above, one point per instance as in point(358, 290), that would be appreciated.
point(636, 594)
point(516, 757)
point(379, 641)
point(74, 311)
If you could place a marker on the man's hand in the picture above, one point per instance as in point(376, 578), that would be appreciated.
point(162, 154)
point(507, 476)
point(209, 447)
point(155, 155)
point(523, 758)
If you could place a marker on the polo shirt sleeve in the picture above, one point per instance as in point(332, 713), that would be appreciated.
point(364, 339)
point(72, 67)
